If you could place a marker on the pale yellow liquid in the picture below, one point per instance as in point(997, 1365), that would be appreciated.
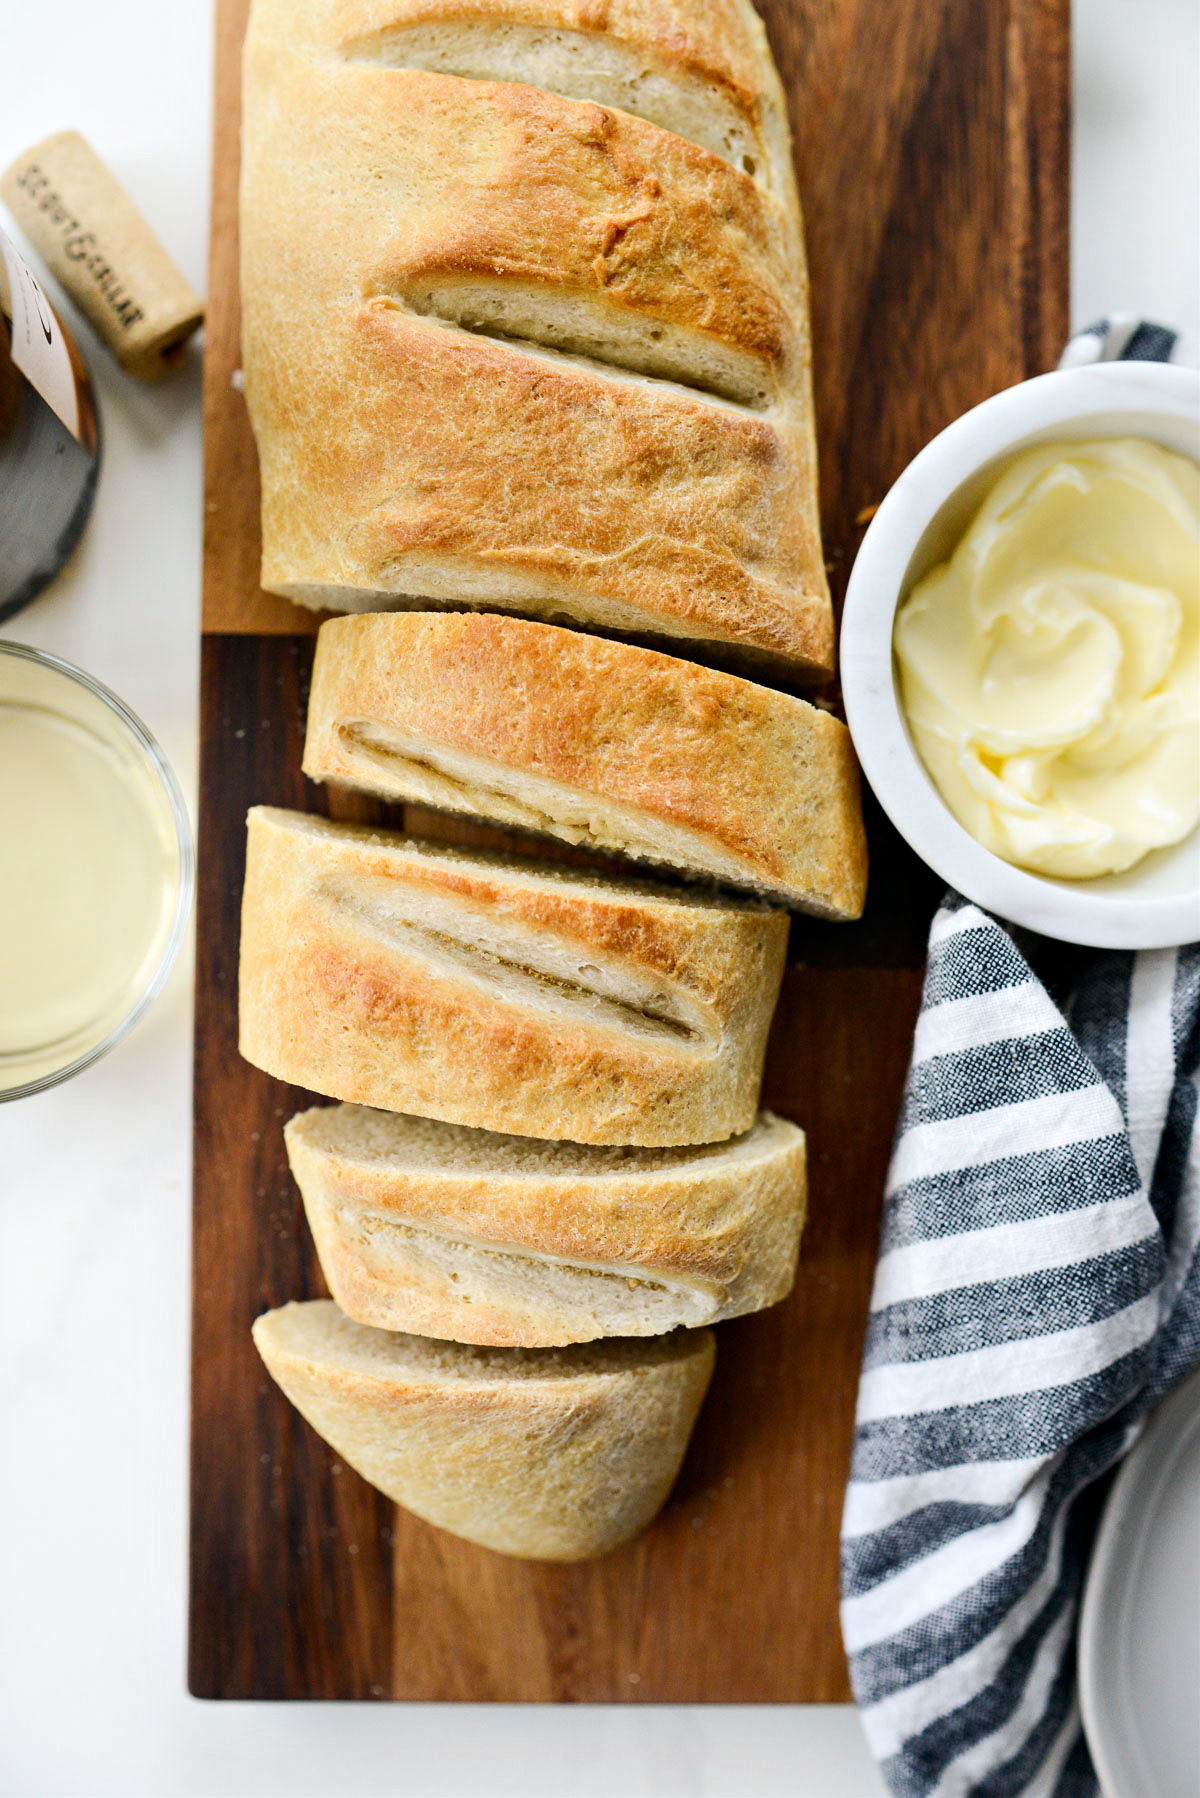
point(88, 877)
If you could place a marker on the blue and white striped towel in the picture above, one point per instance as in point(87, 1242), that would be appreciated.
point(1037, 1292)
point(1124, 337)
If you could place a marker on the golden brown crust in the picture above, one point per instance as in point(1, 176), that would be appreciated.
point(580, 197)
point(461, 988)
point(557, 482)
point(403, 457)
point(713, 42)
point(755, 787)
point(566, 1457)
point(478, 1238)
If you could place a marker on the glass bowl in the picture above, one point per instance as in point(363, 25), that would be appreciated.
point(94, 913)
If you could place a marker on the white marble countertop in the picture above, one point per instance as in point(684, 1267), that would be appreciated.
point(94, 1175)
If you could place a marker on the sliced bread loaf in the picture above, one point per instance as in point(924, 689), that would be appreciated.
point(500, 993)
point(482, 1238)
point(550, 1454)
point(595, 742)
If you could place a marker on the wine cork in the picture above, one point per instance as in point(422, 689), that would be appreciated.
point(103, 252)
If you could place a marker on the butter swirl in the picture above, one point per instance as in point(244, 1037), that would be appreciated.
point(1050, 670)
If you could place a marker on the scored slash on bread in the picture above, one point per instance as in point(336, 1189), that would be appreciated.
point(702, 72)
point(500, 993)
point(549, 1454)
point(575, 249)
point(600, 743)
point(459, 1233)
point(528, 328)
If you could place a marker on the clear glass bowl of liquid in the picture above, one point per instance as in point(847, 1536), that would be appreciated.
point(96, 870)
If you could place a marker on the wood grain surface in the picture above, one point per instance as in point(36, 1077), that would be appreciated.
point(932, 147)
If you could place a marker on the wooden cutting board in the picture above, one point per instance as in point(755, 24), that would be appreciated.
point(932, 146)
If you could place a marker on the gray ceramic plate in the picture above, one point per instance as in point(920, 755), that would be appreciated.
point(1139, 1633)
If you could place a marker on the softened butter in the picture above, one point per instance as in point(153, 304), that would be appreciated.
point(1050, 670)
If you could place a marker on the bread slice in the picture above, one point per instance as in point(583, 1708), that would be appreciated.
point(525, 318)
point(549, 1454)
point(595, 742)
point(496, 992)
point(463, 1234)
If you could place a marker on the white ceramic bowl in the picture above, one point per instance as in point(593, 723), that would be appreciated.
point(1156, 903)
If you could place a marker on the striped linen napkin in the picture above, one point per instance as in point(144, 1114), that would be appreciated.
point(1038, 1290)
point(1037, 1293)
point(1124, 337)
